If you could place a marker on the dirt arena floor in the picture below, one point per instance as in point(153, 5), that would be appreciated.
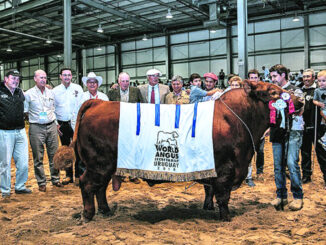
point(163, 214)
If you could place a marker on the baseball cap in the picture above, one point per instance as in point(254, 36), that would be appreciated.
point(13, 72)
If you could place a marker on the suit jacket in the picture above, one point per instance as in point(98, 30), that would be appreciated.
point(134, 95)
point(163, 89)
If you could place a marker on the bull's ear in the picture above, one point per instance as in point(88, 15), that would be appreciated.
point(247, 85)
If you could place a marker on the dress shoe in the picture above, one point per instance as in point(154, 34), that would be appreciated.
point(5, 195)
point(57, 184)
point(23, 191)
point(306, 179)
point(67, 180)
point(42, 188)
point(250, 182)
point(296, 204)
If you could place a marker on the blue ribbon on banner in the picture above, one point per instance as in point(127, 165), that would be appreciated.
point(193, 133)
point(138, 119)
point(177, 116)
point(157, 115)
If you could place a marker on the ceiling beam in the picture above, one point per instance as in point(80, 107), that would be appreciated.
point(59, 23)
point(125, 16)
point(24, 7)
point(300, 4)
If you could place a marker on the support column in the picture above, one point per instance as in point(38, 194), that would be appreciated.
point(67, 33)
point(168, 58)
point(118, 66)
point(306, 42)
point(242, 38)
point(229, 63)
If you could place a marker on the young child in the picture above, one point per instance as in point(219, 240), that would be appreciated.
point(196, 93)
point(320, 100)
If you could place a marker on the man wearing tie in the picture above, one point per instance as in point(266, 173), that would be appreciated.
point(153, 92)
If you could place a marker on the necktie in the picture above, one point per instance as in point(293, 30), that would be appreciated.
point(153, 96)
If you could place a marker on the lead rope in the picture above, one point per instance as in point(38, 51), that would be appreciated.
point(252, 140)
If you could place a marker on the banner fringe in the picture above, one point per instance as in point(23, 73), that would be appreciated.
point(167, 176)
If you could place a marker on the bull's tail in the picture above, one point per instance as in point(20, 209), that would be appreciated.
point(65, 155)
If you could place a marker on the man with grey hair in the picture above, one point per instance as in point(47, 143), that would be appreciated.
point(124, 92)
point(39, 105)
point(153, 92)
point(309, 129)
point(177, 96)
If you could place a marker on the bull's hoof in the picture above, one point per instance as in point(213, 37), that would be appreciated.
point(104, 212)
point(209, 206)
point(225, 217)
point(87, 217)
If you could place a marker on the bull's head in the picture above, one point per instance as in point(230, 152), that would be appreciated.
point(267, 91)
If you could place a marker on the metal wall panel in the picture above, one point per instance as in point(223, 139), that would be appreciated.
point(128, 58)
point(128, 46)
point(199, 67)
point(317, 35)
point(159, 54)
point(181, 69)
point(179, 52)
point(179, 38)
point(217, 65)
point(317, 19)
point(293, 61)
point(267, 60)
point(288, 23)
point(99, 62)
point(293, 38)
point(269, 25)
point(198, 35)
point(199, 49)
point(267, 41)
point(218, 47)
point(144, 44)
point(158, 41)
point(144, 56)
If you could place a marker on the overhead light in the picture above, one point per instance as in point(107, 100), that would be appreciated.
point(48, 41)
point(145, 37)
point(59, 56)
point(99, 29)
point(25, 61)
point(9, 49)
point(99, 48)
point(212, 30)
point(296, 18)
point(169, 15)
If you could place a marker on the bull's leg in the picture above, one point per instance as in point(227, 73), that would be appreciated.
point(209, 194)
point(222, 195)
point(103, 207)
point(87, 190)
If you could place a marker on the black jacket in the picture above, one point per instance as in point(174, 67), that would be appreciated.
point(11, 108)
point(309, 108)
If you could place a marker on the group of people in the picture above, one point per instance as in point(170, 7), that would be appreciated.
point(53, 112)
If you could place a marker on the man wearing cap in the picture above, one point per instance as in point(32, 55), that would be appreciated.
point(153, 92)
point(13, 138)
point(67, 97)
point(39, 105)
point(210, 82)
point(124, 92)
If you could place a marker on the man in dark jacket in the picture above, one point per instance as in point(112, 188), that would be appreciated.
point(309, 116)
point(13, 138)
point(124, 92)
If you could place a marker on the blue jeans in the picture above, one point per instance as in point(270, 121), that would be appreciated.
point(291, 150)
point(13, 144)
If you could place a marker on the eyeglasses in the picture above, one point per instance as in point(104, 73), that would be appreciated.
point(92, 82)
point(155, 75)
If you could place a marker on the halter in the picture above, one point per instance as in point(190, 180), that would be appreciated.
point(252, 139)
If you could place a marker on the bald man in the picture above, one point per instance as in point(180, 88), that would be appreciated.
point(39, 105)
point(124, 92)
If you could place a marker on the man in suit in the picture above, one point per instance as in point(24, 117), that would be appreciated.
point(124, 92)
point(153, 92)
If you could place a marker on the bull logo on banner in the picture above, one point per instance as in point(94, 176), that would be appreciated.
point(167, 151)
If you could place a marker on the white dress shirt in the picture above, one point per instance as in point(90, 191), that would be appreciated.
point(66, 101)
point(37, 103)
point(157, 93)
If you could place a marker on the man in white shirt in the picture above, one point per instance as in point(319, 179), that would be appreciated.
point(67, 97)
point(39, 105)
point(153, 92)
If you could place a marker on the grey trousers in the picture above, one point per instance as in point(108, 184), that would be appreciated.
point(40, 135)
